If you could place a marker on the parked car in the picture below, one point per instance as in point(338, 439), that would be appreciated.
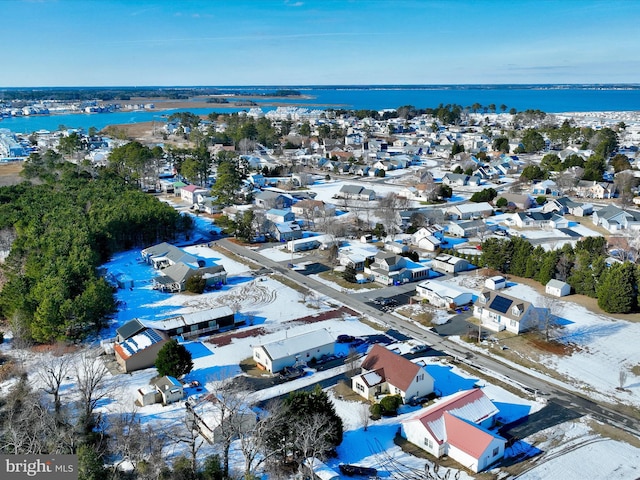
point(419, 349)
point(345, 339)
point(350, 470)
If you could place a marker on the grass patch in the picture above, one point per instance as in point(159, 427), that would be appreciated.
point(343, 391)
point(372, 324)
point(422, 315)
point(613, 433)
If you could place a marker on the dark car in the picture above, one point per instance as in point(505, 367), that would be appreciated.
point(345, 339)
point(419, 349)
point(351, 470)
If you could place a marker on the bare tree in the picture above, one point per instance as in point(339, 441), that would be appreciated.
point(364, 414)
point(53, 373)
point(351, 361)
point(91, 381)
point(625, 183)
point(622, 377)
point(546, 319)
point(311, 436)
point(186, 433)
point(390, 206)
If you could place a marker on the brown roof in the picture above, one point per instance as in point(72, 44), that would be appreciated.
point(394, 368)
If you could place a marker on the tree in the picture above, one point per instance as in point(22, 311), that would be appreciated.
point(532, 141)
point(485, 195)
point(70, 144)
point(174, 360)
point(551, 162)
point(594, 167)
point(91, 382)
point(228, 181)
point(195, 284)
point(617, 289)
point(502, 202)
point(501, 144)
point(90, 465)
point(53, 374)
point(532, 172)
point(620, 162)
point(625, 183)
point(349, 274)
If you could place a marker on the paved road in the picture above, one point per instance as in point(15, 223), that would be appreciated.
point(535, 384)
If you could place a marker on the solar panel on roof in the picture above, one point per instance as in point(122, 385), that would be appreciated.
point(153, 335)
point(500, 304)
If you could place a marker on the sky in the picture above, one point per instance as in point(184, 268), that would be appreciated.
point(317, 42)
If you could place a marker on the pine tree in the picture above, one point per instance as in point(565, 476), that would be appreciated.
point(616, 292)
point(174, 360)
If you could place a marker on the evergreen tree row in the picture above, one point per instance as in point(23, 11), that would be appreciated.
point(583, 267)
point(64, 228)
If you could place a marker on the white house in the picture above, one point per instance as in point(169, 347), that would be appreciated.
point(213, 419)
point(498, 311)
point(458, 426)
point(190, 193)
point(170, 389)
point(443, 294)
point(387, 373)
point(557, 288)
point(299, 349)
point(423, 238)
point(467, 211)
point(449, 264)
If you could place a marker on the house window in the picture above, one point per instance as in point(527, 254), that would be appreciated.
point(420, 377)
point(513, 323)
point(515, 311)
point(359, 387)
point(496, 451)
point(428, 442)
point(258, 355)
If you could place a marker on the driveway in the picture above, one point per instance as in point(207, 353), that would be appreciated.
point(458, 325)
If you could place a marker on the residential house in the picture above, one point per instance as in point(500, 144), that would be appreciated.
point(387, 373)
point(189, 193)
point(546, 187)
point(396, 247)
point(557, 288)
point(595, 189)
point(540, 220)
point(561, 205)
point(203, 322)
point(174, 278)
point(441, 294)
point(449, 264)
point(389, 269)
point(280, 216)
point(467, 229)
point(285, 231)
point(312, 209)
point(614, 219)
point(521, 202)
point(299, 349)
point(356, 192)
point(458, 426)
point(498, 311)
point(455, 179)
point(268, 199)
point(139, 350)
point(257, 180)
point(467, 211)
point(425, 239)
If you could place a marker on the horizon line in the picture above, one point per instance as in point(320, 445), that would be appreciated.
point(336, 85)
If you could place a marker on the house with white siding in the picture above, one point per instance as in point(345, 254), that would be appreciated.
point(458, 426)
point(298, 349)
point(498, 311)
point(387, 373)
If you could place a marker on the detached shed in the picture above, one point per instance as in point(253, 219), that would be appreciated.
point(557, 288)
point(319, 470)
point(495, 283)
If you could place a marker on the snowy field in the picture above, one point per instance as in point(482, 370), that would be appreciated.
point(604, 346)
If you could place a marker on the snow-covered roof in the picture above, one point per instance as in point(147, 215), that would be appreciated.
point(194, 318)
point(299, 343)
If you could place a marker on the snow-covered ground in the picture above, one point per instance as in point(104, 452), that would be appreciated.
point(604, 346)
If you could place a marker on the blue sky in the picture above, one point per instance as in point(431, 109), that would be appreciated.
point(318, 42)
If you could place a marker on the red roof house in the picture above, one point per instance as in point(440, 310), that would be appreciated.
point(457, 426)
